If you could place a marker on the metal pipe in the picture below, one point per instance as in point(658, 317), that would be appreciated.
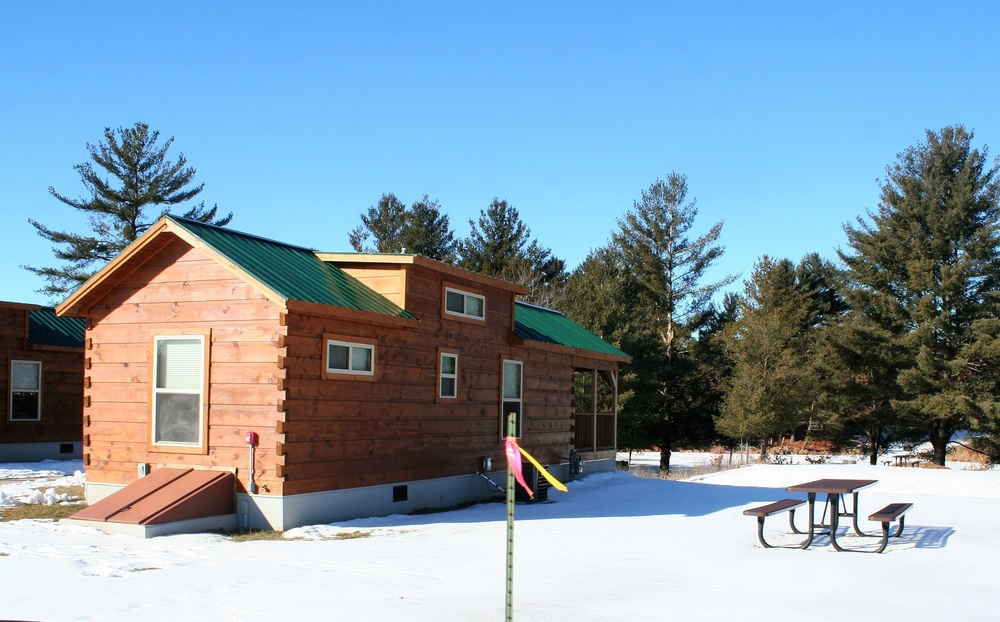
point(252, 486)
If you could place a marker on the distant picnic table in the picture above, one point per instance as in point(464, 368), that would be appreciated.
point(906, 460)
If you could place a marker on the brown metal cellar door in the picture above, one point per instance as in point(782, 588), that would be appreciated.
point(167, 495)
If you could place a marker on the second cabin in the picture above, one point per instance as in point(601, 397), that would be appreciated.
point(371, 384)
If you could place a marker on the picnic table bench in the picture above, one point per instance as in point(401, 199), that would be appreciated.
point(763, 511)
point(886, 516)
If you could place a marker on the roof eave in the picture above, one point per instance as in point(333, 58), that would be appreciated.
point(78, 302)
point(369, 317)
point(581, 352)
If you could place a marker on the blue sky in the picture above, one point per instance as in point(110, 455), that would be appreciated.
point(298, 116)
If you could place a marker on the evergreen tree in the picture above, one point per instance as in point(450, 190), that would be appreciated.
point(669, 268)
point(385, 223)
point(426, 231)
point(420, 229)
point(822, 283)
point(600, 296)
point(128, 174)
point(770, 389)
point(859, 363)
point(927, 271)
point(500, 245)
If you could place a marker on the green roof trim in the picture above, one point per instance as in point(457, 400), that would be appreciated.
point(293, 272)
point(45, 328)
point(534, 323)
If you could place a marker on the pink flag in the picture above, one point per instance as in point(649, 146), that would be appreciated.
point(514, 460)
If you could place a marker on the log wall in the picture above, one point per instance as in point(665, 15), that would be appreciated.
point(181, 288)
point(62, 382)
point(342, 433)
point(266, 375)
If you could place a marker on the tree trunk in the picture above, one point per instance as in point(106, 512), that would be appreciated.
point(940, 437)
point(874, 445)
point(665, 443)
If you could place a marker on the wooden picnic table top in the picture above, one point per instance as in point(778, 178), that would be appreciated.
point(833, 486)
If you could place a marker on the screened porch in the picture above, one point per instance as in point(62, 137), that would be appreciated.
point(595, 410)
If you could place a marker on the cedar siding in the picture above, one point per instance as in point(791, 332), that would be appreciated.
point(34, 334)
point(267, 322)
point(345, 433)
point(178, 289)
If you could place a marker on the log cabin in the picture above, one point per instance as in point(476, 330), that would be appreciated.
point(297, 387)
point(42, 384)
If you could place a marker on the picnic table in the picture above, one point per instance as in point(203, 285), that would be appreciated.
point(836, 491)
point(906, 460)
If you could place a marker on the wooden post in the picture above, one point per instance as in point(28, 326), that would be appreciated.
point(511, 423)
point(593, 402)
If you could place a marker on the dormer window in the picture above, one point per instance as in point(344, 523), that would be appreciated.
point(464, 304)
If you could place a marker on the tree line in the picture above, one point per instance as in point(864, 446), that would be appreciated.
point(895, 342)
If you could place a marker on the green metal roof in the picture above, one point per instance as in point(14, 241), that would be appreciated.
point(293, 272)
point(45, 328)
point(540, 324)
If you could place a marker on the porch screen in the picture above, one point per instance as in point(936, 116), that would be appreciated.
point(178, 390)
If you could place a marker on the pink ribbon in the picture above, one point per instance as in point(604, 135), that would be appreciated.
point(514, 460)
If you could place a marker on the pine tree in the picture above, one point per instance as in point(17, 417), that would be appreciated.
point(420, 229)
point(495, 241)
point(927, 271)
point(859, 363)
point(771, 388)
point(385, 223)
point(427, 232)
point(128, 174)
point(500, 245)
point(669, 268)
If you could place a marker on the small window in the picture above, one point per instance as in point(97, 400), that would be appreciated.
point(448, 376)
point(179, 391)
point(511, 401)
point(464, 304)
point(345, 357)
point(25, 391)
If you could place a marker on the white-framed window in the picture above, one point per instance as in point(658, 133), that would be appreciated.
point(347, 357)
point(448, 375)
point(511, 397)
point(179, 392)
point(25, 390)
point(464, 304)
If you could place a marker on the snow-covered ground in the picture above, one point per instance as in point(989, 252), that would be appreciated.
point(615, 547)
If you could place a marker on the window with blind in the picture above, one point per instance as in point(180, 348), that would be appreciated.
point(348, 358)
point(464, 304)
point(178, 404)
point(511, 397)
point(25, 390)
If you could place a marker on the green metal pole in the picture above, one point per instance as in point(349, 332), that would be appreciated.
point(511, 418)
